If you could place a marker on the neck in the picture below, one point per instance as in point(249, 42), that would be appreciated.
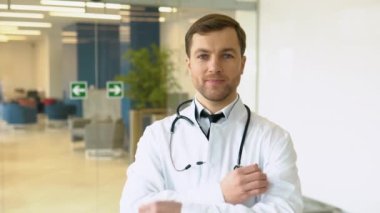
point(215, 106)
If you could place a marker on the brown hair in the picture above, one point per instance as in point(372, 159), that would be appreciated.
point(214, 22)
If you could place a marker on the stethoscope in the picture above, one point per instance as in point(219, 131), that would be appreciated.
point(179, 116)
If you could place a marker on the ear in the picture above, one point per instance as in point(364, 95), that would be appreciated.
point(188, 65)
point(243, 59)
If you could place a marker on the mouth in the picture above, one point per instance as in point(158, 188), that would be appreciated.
point(214, 81)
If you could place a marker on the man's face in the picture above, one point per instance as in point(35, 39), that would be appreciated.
point(216, 64)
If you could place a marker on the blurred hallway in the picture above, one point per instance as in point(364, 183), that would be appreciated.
point(41, 171)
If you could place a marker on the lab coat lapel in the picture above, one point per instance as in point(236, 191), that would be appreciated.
point(189, 144)
point(225, 138)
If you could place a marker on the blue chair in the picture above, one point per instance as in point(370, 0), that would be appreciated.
point(13, 113)
point(59, 111)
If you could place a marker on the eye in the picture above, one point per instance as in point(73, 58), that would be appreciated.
point(227, 55)
point(203, 56)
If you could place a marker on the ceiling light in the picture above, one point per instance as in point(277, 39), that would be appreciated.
point(22, 15)
point(86, 4)
point(161, 19)
point(25, 24)
point(8, 28)
point(69, 33)
point(46, 8)
point(87, 15)
point(70, 40)
point(3, 6)
point(21, 32)
point(167, 9)
point(108, 5)
point(95, 4)
point(63, 3)
point(118, 6)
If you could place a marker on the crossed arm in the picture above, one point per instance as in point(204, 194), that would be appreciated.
point(237, 187)
point(277, 190)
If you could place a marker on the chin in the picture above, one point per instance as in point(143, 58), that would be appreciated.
point(217, 97)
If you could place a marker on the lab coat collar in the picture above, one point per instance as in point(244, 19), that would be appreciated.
point(235, 114)
point(226, 110)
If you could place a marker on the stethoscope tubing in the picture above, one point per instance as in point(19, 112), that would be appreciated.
point(179, 116)
point(243, 137)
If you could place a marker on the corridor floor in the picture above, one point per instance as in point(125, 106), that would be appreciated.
point(42, 171)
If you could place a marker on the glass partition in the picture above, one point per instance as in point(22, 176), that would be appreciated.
point(65, 133)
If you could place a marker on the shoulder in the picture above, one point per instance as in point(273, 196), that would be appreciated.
point(166, 122)
point(161, 125)
point(155, 135)
point(275, 141)
point(266, 127)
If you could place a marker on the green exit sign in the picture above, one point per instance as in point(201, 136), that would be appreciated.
point(115, 89)
point(78, 90)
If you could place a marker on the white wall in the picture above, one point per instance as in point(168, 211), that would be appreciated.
point(172, 36)
point(25, 64)
point(69, 66)
point(17, 67)
point(247, 87)
point(33, 65)
point(55, 63)
point(42, 65)
point(320, 79)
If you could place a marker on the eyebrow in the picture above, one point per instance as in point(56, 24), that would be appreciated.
point(229, 50)
point(202, 50)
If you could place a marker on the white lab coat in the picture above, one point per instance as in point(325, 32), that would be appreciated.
point(152, 177)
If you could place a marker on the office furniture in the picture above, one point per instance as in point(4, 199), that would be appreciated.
point(16, 114)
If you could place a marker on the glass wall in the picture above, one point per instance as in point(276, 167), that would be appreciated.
point(65, 141)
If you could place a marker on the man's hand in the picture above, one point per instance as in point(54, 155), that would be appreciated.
point(161, 207)
point(243, 183)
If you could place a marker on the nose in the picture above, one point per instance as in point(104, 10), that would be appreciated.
point(215, 65)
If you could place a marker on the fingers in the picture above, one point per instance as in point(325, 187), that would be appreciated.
point(253, 177)
point(259, 184)
point(257, 192)
point(252, 189)
point(253, 180)
point(243, 183)
point(250, 173)
point(144, 208)
point(149, 207)
point(161, 207)
point(248, 169)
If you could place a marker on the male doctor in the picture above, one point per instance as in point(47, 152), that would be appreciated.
point(194, 169)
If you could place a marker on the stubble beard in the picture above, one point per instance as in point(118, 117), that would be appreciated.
point(216, 94)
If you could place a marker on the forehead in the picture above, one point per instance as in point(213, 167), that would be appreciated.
point(216, 40)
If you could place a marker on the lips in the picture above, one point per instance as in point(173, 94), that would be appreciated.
point(213, 81)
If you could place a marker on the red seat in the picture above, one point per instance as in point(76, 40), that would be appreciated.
point(49, 101)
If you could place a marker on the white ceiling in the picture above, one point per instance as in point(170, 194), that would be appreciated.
point(186, 8)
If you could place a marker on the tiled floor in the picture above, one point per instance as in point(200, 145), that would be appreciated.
point(40, 171)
